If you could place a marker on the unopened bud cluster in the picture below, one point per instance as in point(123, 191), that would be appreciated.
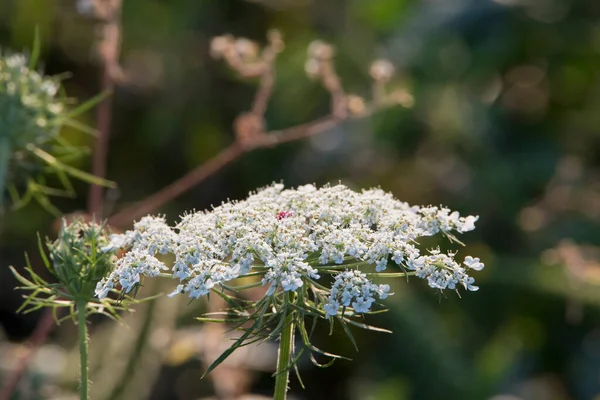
point(77, 259)
point(292, 238)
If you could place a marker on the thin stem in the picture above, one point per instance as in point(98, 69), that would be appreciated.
point(4, 161)
point(283, 358)
point(109, 52)
point(391, 274)
point(343, 266)
point(95, 195)
point(83, 350)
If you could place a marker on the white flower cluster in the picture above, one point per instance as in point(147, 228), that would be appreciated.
point(151, 235)
point(352, 288)
point(288, 268)
point(289, 235)
point(442, 272)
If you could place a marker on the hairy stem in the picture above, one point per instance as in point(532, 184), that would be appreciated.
point(283, 358)
point(83, 350)
point(4, 161)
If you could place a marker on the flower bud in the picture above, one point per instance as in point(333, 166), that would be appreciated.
point(30, 105)
point(312, 68)
point(76, 257)
point(246, 49)
point(276, 40)
point(320, 50)
point(382, 70)
point(219, 45)
point(356, 104)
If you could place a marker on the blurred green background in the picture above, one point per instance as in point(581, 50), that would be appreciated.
point(505, 125)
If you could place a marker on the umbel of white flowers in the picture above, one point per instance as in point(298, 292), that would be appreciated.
point(292, 236)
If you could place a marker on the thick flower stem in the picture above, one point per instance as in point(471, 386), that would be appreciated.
point(283, 358)
point(83, 350)
point(4, 161)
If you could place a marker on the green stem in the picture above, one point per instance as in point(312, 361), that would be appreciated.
point(391, 274)
point(284, 356)
point(344, 266)
point(4, 161)
point(83, 350)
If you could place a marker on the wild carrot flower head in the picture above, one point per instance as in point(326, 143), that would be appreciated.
point(315, 250)
point(291, 237)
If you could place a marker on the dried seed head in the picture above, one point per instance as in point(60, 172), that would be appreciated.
point(320, 50)
point(246, 49)
point(276, 40)
point(220, 45)
point(312, 68)
point(402, 97)
point(356, 105)
point(382, 70)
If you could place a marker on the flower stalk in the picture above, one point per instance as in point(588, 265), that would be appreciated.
point(286, 348)
point(83, 349)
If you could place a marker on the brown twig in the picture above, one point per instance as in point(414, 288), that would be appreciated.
point(320, 65)
point(250, 126)
point(109, 12)
point(224, 158)
point(178, 187)
point(95, 194)
point(269, 55)
point(241, 55)
point(221, 160)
